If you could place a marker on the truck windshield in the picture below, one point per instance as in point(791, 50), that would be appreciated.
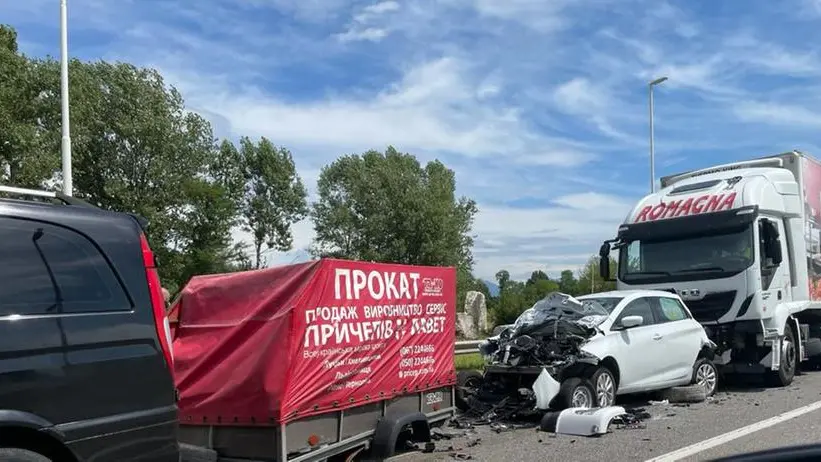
point(687, 257)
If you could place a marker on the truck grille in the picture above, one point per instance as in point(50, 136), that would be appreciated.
point(712, 307)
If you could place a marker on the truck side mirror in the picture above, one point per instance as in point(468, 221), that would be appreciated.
point(604, 250)
point(604, 267)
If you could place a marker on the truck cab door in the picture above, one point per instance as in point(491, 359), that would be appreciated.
point(773, 272)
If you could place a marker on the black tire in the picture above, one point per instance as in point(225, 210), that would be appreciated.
point(705, 374)
point(191, 453)
point(572, 392)
point(470, 380)
point(21, 455)
point(604, 386)
point(789, 363)
point(687, 394)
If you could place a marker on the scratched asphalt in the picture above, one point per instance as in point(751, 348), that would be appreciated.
point(670, 427)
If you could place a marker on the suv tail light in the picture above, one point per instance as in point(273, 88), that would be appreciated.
point(157, 302)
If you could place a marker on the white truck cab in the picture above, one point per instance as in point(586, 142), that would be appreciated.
point(738, 242)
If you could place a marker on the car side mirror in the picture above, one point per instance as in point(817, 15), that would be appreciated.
point(631, 321)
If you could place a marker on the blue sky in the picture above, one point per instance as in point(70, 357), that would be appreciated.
point(540, 106)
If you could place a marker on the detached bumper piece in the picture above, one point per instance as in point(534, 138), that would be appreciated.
point(580, 421)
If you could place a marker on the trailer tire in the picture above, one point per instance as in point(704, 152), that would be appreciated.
point(192, 453)
point(388, 429)
point(466, 379)
point(789, 362)
point(685, 394)
point(21, 455)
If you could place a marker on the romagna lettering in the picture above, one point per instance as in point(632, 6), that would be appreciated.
point(689, 206)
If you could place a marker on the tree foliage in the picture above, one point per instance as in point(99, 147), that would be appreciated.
point(273, 196)
point(516, 296)
point(388, 207)
point(137, 149)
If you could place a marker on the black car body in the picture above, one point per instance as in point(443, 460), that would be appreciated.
point(85, 359)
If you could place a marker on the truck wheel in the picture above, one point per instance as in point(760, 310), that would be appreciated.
point(789, 360)
point(605, 386)
point(466, 382)
point(706, 375)
point(21, 455)
point(574, 392)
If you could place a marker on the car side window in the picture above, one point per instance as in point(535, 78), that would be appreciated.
point(638, 307)
point(671, 310)
point(49, 269)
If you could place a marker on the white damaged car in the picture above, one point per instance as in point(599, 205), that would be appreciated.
point(594, 348)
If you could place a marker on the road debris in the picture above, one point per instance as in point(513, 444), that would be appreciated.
point(581, 422)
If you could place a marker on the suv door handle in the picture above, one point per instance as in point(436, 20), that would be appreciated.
point(657, 337)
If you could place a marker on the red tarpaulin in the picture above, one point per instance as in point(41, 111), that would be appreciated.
point(272, 345)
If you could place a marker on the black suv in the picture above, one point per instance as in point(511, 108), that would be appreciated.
point(85, 354)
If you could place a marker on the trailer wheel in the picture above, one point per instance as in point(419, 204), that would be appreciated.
point(192, 453)
point(466, 380)
point(789, 360)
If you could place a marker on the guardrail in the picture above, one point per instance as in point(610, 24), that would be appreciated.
point(466, 347)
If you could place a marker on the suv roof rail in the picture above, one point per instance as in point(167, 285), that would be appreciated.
point(66, 199)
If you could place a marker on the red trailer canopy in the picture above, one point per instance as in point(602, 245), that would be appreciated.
point(272, 345)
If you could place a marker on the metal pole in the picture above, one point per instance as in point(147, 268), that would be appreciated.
point(65, 144)
point(652, 136)
point(652, 147)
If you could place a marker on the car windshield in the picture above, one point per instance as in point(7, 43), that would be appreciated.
point(677, 258)
point(601, 303)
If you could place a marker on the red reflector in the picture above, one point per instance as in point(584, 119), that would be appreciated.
point(157, 303)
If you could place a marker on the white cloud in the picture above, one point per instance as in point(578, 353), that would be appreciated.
point(433, 108)
point(777, 114)
point(362, 28)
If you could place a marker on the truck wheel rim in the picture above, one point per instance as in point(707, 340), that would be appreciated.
point(706, 377)
point(789, 356)
point(582, 398)
point(605, 390)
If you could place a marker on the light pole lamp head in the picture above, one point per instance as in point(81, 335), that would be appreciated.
point(658, 81)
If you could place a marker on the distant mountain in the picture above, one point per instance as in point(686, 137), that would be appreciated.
point(492, 288)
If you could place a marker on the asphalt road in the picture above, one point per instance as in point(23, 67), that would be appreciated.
point(671, 427)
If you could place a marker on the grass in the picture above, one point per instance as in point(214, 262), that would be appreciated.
point(471, 361)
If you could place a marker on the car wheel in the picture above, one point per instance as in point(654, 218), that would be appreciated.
point(467, 383)
point(21, 455)
point(574, 392)
point(706, 375)
point(789, 362)
point(604, 383)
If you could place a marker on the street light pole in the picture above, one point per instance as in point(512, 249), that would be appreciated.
point(65, 144)
point(652, 141)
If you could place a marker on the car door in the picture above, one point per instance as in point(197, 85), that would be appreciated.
point(681, 338)
point(635, 349)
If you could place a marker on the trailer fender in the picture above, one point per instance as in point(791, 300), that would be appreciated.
point(388, 429)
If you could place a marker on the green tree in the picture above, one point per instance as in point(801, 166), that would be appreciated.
point(273, 197)
point(589, 280)
point(388, 207)
point(25, 148)
point(568, 283)
point(137, 149)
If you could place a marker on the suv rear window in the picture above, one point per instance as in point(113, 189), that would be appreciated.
point(48, 269)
